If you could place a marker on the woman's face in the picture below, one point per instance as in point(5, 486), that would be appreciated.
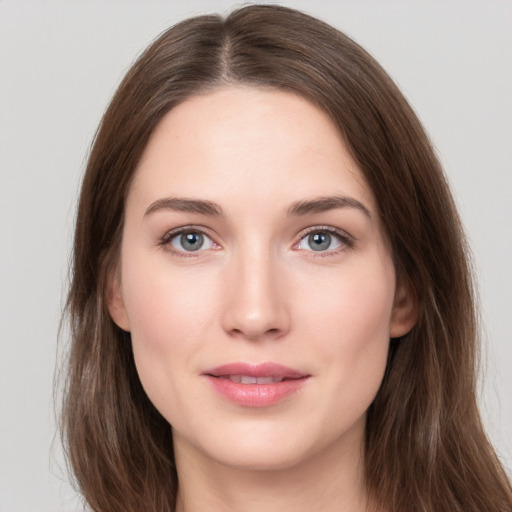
point(255, 281)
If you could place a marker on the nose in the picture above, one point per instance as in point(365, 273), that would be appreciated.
point(255, 305)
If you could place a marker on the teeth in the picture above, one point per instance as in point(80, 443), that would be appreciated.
point(267, 380)
point(248, 379)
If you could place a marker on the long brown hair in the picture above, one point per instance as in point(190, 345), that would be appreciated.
point(425, 448)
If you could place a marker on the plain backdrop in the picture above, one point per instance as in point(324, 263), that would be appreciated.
point(60, 62)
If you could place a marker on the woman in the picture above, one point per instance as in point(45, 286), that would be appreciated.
point(271, 301)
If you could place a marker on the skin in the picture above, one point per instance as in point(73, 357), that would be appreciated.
point(255, 292)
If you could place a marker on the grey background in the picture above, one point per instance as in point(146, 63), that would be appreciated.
point(59, 64)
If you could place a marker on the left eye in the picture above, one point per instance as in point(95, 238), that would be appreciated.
point(320, 241)
point(191, 241)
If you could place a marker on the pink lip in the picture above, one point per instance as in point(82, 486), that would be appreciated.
point(255, 395)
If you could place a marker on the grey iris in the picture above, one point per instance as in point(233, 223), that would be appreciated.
point(191, 241)
point(319, 241)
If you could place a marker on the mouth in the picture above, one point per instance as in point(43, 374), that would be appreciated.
point(260, 385)
point(249, 379)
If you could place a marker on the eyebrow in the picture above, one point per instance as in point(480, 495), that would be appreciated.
point(185, 205)
point(297, 209)
point(323, 204)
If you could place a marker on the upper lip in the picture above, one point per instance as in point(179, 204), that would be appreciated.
point(268, 369)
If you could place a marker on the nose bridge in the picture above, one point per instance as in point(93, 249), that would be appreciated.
point(255, 305)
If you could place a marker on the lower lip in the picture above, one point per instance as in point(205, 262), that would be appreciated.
point(256, 395)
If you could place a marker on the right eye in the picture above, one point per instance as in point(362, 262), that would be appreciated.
point(188, 241)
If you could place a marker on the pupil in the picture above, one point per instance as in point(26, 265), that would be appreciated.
point(319, 241)
point(191, 241)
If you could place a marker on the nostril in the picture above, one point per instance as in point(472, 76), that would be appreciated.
point(256, 334)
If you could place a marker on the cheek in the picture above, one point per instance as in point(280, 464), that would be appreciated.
point(354, 306)
point(352, 330)
point(168, 317)
point(165, 306)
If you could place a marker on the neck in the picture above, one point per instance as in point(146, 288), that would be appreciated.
point(329, 481)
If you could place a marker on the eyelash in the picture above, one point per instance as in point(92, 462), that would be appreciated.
point(347, 241)
point(166, 240)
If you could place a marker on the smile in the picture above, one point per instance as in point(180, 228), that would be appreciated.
point(255, 386)
point(249, 379)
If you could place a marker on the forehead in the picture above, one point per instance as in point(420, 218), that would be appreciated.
point(241, 142)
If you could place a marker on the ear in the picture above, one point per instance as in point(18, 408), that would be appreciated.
point(405, 310)
point(115, 302)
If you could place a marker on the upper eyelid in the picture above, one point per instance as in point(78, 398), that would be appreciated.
point(328, 229)
point(171, 233)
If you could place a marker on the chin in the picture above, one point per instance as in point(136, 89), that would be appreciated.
point(261, 446)
point(259, 458)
